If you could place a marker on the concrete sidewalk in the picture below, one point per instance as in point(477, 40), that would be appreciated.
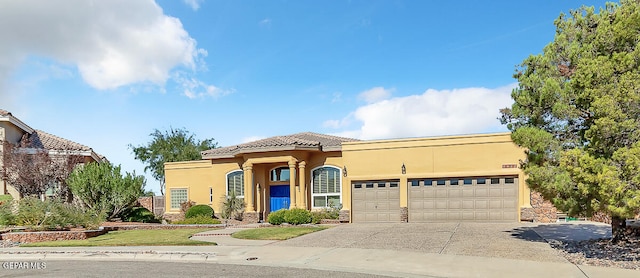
point(369, 261)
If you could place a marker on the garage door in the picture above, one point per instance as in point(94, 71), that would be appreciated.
point(463, 199)
point(376, 201)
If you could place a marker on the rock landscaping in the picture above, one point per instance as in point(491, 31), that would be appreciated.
point(601, 252)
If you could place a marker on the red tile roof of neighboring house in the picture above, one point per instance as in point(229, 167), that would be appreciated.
point(41, 139)
point(298, 141)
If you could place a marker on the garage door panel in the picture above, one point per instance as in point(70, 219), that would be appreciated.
point(510, 204)
point(441, 193)
point(482, 204)
point(454, 193)
point(510, 192)
point(495, 215)
point(482, 192)
point(480, 200)
point(468, 193)
point(495, 192)
point(454, 216)
point(495, 204)
point(468, 215)
point(455, 204)
point(379, 202)
point(429, 204)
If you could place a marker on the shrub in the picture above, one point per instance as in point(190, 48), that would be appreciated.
point(232, 207)
point(200, 219)
point(199, 210)
point(139, 214)
point(7, 217)
point(297, 216)
point(326, 213)
point(276, 217)
point(53, 214)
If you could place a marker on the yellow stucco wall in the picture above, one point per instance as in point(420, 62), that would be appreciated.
point(198, 177)
point(450, 156)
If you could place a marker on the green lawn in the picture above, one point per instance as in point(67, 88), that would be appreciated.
point(5, 197)
point(275, 233)
point(131, 238)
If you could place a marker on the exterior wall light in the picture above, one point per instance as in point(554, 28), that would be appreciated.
point(344, 171)
point(404, 169)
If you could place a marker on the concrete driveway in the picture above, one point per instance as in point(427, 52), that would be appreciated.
point(499, 240)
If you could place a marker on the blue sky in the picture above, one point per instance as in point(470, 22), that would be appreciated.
point(106, 73)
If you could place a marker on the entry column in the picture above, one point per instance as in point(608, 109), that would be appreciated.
point(292, 183)
point(303, 185)
point(248, 186)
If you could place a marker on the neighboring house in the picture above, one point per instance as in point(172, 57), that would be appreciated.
point(14, 131)
point(452, 178)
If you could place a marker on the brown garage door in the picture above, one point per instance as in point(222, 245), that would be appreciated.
point(463, 199)
point(375, 201)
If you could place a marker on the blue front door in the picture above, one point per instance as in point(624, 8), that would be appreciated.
point(279, 197)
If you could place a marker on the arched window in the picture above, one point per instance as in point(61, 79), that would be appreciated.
point(326, 182)
point(280, 174)
point(235, 183)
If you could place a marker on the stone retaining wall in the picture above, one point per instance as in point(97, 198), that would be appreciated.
point(26, 237)
point(541, 210)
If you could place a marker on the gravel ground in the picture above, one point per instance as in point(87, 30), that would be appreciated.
point(601, 252)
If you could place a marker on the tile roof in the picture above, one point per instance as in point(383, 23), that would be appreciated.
point(4, 113)
point(298, 141)
point(41, 139)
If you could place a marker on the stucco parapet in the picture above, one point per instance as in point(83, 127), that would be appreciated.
point(504, 137)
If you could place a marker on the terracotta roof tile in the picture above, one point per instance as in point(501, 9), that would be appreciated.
point(41, 139)
point(304, 140)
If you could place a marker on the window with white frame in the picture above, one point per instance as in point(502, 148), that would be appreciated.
point(326, 182)
point(235, 183)
point(178, 196)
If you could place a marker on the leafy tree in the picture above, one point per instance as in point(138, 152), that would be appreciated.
point(102, 188)
point(170, 146)
point(577, 112)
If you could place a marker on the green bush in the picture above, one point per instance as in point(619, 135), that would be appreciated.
point(6, 197)
point(139, 214)
point(53, 214)
point(276, 217)
point(200, 219)
point(325, 213)
point(199, 210)
point(297, 216)
point(7, 217)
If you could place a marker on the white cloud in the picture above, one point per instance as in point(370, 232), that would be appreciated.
point(194, 88)
point(375, 94)
point(265, 22)
point(435, 112)
point(194, 4)
point(112, 43)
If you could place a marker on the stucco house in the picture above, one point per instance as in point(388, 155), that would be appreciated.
point(450, 178)
point(14, 131)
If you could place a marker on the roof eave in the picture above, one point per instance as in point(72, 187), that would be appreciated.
point(240, 151)
point(17, 122)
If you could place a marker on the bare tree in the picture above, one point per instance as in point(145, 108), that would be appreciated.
point(31, 171)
